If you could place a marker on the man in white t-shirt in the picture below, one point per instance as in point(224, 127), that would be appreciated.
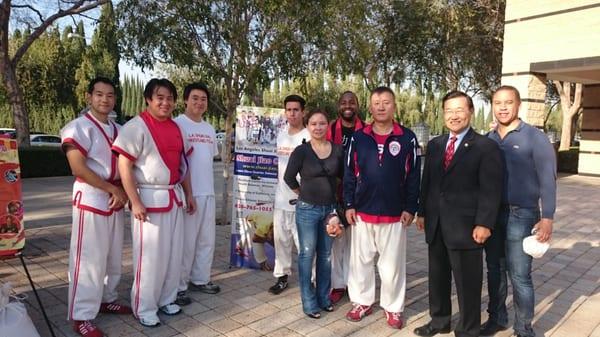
point(284, 215)
point(199, 228)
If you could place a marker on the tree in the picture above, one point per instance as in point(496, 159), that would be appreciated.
point(240, 44)
point(456, 44)
point(571, 98)
point(9, 62)
point(102, 58)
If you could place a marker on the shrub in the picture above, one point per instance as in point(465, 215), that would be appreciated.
point(568, 161)
point(43, 162)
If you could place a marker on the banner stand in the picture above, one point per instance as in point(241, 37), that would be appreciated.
point(37, 297)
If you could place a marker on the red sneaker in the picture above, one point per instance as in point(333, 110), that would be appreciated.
point(115, 308)
point(336, 295)
point(358, 312)
point(394, 319)
point(87, 329)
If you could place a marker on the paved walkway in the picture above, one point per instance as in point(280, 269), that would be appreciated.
point(567, 279)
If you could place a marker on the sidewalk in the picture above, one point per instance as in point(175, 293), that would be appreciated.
point(567, 279)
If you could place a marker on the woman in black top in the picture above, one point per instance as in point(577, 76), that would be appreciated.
point(319, 162)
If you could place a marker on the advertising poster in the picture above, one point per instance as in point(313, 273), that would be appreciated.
point(12, 232)
point(254, 182)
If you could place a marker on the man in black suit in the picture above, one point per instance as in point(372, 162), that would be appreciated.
point(460, 197)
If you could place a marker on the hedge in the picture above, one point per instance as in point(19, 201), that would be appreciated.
point(42, 161)
point(568, 161)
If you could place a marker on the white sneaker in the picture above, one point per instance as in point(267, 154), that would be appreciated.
point(150, 322)
point(170, 309)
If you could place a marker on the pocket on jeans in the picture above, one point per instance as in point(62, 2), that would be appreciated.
point(520, 223)
point(525, 213)
point(304, 205)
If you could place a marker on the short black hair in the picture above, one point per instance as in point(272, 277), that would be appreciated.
point(348, 92)
point(509, 88)
point(382, 89)
point(156, 83)
point(195, 86)
point(455, 94)
point(99, 79)
point(316, 111)
point(294, 98)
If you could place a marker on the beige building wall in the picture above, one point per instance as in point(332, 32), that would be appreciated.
point(556, 40)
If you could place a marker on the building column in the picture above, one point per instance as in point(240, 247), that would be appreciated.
point(532, 87)
point(589, 145)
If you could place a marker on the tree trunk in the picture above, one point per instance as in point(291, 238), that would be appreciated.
point(569, 110)
point(226, 160)
point(17, 103)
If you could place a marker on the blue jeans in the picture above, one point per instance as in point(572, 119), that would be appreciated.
point(313, 238)
point(520, 223)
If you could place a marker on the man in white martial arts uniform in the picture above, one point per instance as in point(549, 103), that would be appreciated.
point(153, 167)
point(98, 221)
point(199, 228)
point(284, 214)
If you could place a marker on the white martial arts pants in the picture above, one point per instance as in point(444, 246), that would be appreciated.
point(157, 250)
point(94, 262)
point(389, 240)
point(285, 234)
point(198, 242)
point(340, 259)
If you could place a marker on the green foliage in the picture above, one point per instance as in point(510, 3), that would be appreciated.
point(133, 101)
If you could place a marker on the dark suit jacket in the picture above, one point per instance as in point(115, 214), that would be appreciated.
point(466, 194)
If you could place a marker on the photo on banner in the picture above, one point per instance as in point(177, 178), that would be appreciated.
point(12, 231)
point(254, 183)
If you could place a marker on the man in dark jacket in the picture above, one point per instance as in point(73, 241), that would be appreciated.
point(460, 197)
point(381, 188)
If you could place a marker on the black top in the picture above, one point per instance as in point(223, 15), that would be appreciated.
point(346, 136)
point(318, 176)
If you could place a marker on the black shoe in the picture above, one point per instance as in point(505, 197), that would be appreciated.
point(328, 308)
point(208, 288)
point(490, 328)
point(427, 330)
point(183, 299)
point(315, 315)
point(280, 286)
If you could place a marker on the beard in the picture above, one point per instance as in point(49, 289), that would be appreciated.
point(348, 118)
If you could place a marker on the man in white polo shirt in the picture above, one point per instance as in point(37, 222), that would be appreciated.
point(199, 228)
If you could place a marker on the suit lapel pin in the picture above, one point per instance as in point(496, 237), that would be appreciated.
point(466, 144)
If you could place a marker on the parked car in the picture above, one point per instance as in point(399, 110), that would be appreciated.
point(44, 140)
point(8, 132)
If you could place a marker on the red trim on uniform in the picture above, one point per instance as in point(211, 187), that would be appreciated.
point(172, 196)
point(396, 130)
point(337, 124)
point(377, 219)
point(113, 157)
point(77, 261)
point(123, 152)
point(77, 204)
point(189, 152)
point(73, 142)
point(138, 274)
point(165, 135)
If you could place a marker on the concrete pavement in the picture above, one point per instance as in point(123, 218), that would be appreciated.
point(567, 279)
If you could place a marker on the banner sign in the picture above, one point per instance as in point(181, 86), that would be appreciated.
point(12, 231)
point(254, 183)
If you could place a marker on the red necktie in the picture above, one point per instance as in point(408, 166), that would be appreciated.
point(449, 153)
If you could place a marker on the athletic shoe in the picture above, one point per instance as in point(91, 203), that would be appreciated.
point(208, 288)
point(183, 299)
point(394, 319)
point(336, 295)
point(87, 329)
point(280, 286)
point(150, 322)
point(358, 312)
point(170, 309)
point(115, 308)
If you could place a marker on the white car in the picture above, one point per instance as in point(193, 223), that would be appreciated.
point(44, 140)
